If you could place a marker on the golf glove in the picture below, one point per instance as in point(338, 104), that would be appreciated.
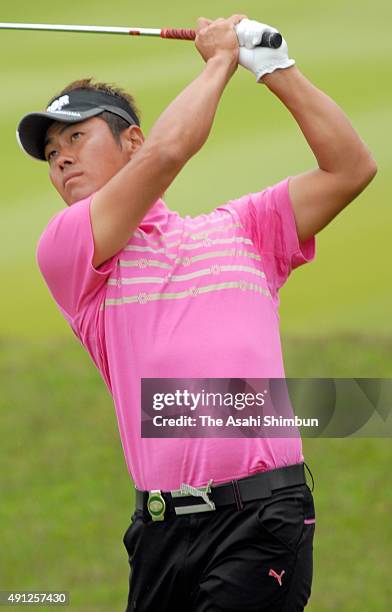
point(260, 60)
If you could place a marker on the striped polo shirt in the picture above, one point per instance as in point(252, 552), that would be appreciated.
point(188, 297)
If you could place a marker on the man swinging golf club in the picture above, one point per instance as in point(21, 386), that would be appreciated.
point(153, 295)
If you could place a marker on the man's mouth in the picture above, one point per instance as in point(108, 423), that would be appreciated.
point(70, 177)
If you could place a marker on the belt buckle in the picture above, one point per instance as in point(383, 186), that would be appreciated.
point(202, 492)
point(156, 505)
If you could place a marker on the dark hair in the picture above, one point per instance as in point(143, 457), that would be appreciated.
point(116, 124)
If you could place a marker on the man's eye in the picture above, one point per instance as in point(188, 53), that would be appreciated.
point(76, 135)
point(51, 155)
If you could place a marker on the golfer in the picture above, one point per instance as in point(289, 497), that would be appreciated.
point(220, 524)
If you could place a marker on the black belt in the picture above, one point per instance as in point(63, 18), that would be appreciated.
point(160, 504)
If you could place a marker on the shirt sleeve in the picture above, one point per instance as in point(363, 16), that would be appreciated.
point(64, 254)
point(268, 219)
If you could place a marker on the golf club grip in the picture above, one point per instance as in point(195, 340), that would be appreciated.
point(269, 39)
point(178, 34)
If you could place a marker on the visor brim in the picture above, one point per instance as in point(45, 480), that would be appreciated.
point(32, 128)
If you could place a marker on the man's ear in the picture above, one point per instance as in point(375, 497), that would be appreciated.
point(132, 139)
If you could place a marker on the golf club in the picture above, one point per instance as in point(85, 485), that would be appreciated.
point(269, 38)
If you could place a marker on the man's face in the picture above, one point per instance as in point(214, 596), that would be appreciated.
point(83, 157)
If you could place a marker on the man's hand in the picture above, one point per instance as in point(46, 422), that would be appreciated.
point(260, 60)
point(218, 39)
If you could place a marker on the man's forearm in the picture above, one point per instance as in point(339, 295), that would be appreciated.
point(335, 144)
point(183, 127)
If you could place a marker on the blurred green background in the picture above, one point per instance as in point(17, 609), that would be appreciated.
point(66, 497)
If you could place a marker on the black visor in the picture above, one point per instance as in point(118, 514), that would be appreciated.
point(72, 107)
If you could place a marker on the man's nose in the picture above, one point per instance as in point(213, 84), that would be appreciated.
point(65, 159)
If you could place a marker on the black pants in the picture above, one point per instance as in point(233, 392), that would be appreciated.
point(258, 559)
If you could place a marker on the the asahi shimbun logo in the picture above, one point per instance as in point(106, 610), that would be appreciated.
point(58, 104)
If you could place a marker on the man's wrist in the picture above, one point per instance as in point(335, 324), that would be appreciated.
point(224, 62)
point(280, 79)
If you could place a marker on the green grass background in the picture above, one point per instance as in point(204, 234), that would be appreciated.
point(65, 495)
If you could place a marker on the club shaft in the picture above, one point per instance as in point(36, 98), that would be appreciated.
point(81, 28)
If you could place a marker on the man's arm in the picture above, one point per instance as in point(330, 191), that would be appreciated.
point(119, 206)
point(345, 163)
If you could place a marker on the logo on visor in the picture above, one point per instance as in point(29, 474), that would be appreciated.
point(58, 104)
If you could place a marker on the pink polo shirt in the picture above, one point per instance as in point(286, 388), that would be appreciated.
point(188, 297)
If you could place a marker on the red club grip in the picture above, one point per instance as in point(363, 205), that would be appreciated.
point(179, 34)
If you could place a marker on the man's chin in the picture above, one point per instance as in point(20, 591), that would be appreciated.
point(76, 195)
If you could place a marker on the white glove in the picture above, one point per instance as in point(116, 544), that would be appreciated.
point(260, 60)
